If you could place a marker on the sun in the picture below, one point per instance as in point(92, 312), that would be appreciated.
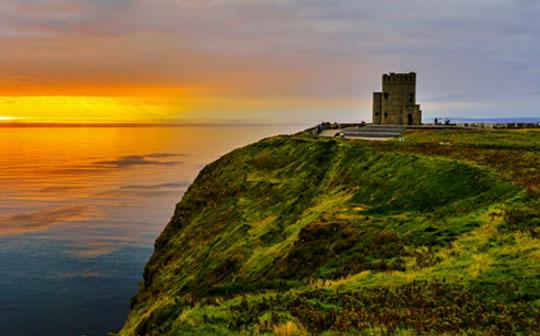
point(6, 118)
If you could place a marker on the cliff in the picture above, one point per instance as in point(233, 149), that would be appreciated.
point(304, 235)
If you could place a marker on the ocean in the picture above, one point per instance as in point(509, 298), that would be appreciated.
point(80, 209)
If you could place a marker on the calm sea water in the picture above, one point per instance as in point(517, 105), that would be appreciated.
point(79, 211)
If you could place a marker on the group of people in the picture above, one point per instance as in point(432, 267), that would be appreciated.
point(442, 121)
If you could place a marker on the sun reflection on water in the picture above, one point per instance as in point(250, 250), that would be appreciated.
point(80, 210)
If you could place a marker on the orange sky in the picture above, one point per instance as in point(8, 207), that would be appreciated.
point(267, 61)
point(135, 61)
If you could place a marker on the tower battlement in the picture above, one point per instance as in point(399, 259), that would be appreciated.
point(393, 77)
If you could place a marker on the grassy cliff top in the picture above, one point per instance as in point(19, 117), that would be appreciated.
point(299, 234)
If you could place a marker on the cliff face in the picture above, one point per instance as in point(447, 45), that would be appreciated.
point(297, 234)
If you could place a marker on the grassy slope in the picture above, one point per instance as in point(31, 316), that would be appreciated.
point(296, 235)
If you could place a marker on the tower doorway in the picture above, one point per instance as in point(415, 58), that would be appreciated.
point(409, 119)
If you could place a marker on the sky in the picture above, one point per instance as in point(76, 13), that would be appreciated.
point(280, 61)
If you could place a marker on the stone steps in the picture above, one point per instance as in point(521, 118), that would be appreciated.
point(374, 131)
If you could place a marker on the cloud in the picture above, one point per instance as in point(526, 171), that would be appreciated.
point(123, 162)
point(275, 56)
point(170, 185)
point(40, 220)
point(60, 188)
point(139, 160)
point(171, 189)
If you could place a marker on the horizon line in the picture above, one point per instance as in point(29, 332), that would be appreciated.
point(11, 124)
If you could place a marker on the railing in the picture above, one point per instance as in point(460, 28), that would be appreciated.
point(335, 125)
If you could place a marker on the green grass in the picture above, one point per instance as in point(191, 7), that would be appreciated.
point(438, 233)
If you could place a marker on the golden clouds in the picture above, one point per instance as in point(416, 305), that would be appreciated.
point(162, 60)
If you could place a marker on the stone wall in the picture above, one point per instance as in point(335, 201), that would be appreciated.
point(397, 101)
point(377, 107)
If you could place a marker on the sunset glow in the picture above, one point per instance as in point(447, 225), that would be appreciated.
point(79, 108)
point(269, 61)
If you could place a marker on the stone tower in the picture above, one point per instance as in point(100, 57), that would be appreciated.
point(396, 104)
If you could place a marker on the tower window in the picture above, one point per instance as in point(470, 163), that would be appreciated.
point(386, 95)
point(411, 98)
